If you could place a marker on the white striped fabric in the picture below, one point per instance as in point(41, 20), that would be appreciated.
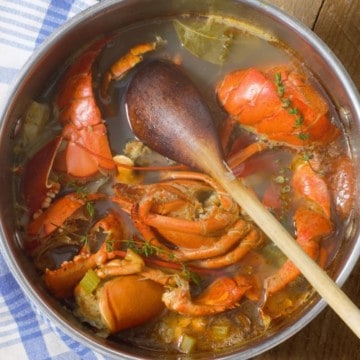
point(24, 333)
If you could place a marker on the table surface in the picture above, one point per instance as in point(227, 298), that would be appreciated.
point(337, 23)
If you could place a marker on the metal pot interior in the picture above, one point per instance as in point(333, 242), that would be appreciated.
point(107, 17)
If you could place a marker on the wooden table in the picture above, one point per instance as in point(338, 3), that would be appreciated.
point(337, 23)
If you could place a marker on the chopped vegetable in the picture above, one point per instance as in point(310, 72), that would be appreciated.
point(220, 331)
point(90, 281)
point(186, 344)
point(34, 121)
point(126, 175)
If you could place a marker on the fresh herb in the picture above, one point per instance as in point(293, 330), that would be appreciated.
point(286, 103)
point(209, 39)
point(147, 249)
point(307, 156)
point(110, 244)
point(84, 240)
point(90, 208)
point(132, 245)
point(293, 111)
point(303, 136)
point(190, 275)
point(82, 193)
point(299, 119)
point(280, 86)
point(80, 190)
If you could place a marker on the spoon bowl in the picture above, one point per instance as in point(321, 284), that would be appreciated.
point(179, 127)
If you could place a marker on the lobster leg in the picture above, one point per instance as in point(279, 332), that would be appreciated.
point(223, 294)
point(120, 303)
point(61, 282)
point(312, 220)
point(252, 240)
point(311, 227)
point(124, 64)
point(87, 152)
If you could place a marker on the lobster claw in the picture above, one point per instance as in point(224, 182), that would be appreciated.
point(87, 152)
point(223, 294)
point(124, 302)
point(55, 216)
point(62, 281)
point(164, 213)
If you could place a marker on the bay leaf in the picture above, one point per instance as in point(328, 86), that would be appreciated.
point(208, 39)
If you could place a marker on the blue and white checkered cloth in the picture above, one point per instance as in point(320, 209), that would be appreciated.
point(24, 334)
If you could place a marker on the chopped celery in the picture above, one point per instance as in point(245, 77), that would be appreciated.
point(187, 344)
point(34, 122)
point(219, 331)
point(90, 281)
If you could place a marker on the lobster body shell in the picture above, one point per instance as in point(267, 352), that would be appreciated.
point(252, 97)
point(123, 302)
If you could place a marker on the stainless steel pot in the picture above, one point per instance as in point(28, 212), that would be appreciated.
point(108, 16)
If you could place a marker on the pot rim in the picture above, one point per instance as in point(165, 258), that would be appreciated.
point(33, 294)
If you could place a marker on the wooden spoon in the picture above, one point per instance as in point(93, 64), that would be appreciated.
point(167, 113)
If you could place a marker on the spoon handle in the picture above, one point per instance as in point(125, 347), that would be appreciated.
point(181, 128)
point(316, 276)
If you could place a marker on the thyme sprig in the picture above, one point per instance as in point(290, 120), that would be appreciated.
point(82, 192)
point(110, 244)
point(148, 249)
point(79, 189)
point(83, 239)
point(71, 232)
point(90, 208)
point(190, 275)
point(293, 110)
